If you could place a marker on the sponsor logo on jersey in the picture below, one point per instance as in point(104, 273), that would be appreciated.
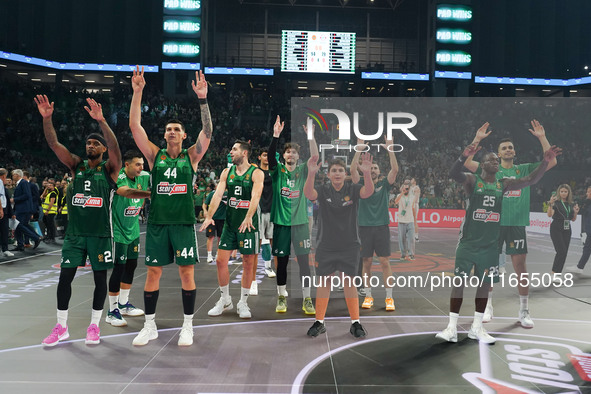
point(482, 215)
point(163, 157)
point(182, 156)
point(286, 192)
point(171, 188)
point(513, 193)
point(238, 204)
point(80, 200)
point(132, 211)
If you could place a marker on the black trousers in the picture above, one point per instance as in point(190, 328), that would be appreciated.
point(561, 241)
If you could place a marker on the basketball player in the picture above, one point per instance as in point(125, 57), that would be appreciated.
point(132, 188)
point(515, 215)
point(373, 220)
point(89, 228)
point(479, 234)
point(171, 233)
point(244, 183)
point(289, 214)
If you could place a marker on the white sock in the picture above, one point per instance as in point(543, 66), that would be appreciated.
point(209, 254)
point(113, 300)
point(225, 292)
point(320, 321)
point(268, 264)
point(523, 302)
point(453, 320)
point(282, 290)
point(368, 292)
point(151, 317)
point(62, 318)
point(188, 320)
point(489, 302)
point(124, 296)
point(388, 292)
point(477, 323)
point(306, 292)
point(355, 321)
point(95, 317)
point(244, 294)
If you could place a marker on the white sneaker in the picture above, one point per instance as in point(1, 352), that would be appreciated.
point(186, 335)
point(270, 273)
point(449, 334)
point(480, 334)
point(525, 320)
point(220, 307)
point(243, 310)
point(10, 254)
point(488, 313)
point(210, 260)
point(148, 333)
point(254, 288)
point(573, 268)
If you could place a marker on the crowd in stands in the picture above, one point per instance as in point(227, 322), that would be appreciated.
point(249, 114)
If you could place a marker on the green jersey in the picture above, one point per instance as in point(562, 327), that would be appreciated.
point(516, 202)
point(373, 211)
point(89, 206)
point(220, 213)
point(172, 190)
point(126, 227)
point(481, 226)
point(239, 195)
point(289, 206)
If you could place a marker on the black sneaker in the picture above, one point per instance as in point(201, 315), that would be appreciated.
point(316, 329)
point(357, 330)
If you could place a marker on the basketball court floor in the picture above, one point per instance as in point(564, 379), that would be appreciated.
point(271, 353)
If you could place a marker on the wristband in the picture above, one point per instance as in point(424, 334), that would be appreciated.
point(462, 159)
point(203, 101)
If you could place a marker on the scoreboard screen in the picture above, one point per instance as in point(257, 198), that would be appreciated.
point(317, 52)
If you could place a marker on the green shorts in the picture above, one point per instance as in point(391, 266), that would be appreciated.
point(98, 249)
point(246, 243)
point(127, 251)
point(284, 236)
point(514, 239)
point(169, 242)
point(485, 263)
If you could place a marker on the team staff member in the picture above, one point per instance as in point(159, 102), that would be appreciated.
point(244, 183)
point(585, 228)
point(89, 233)
point(171, 234)
point(132, 187)
point(479, 234)
point(562, 211)
point(515, 214)
point(219, 218)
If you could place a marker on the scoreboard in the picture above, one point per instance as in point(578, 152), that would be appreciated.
point(317, 52)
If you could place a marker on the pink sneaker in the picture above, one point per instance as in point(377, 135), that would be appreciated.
point(93, 335)
point(58, 333)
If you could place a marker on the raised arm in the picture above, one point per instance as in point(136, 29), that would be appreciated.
point(536, 175)
point(271, 153)
point(393, 162)
point(355, 177)
point(148, 149)
point(197, 151)
point(368, 187)
point(481, 134)
point(309, 129)
point(538, 131)
point(63, 154)
point(257, 189)
point(95, 110)
point(465, 178)
point(309, 190)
